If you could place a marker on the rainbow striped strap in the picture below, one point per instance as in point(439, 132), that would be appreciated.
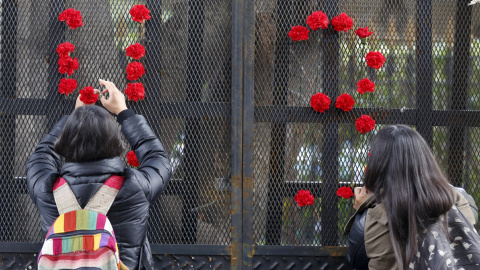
point(64, 197)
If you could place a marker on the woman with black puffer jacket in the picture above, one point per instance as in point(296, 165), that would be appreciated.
point(91, 143)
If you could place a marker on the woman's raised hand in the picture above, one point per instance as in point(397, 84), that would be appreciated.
point(361, 194)
point(116, 100)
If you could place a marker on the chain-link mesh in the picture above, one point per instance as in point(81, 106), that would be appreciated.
point(187, 102)
point(430, 80)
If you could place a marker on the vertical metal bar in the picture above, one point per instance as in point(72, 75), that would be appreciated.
point(248, 132)
point(56, 35)
point(237, 127)
point(329, 213)
point(283, 11)
point(461, 56)
point(153, 46)
point(424, 70)
point(7, 120)
point(196, 18)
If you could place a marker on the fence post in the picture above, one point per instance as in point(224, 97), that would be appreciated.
point(248, 134)
point(196, 18)
point(424, 70)
point(461, 56)
point(7, 119)
point(329, 213)
point(237, 128)
point(283, 10)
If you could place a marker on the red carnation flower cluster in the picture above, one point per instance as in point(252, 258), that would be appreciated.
point(365, 85)
point(140, 13)
point(320, 102)
point(72, 17)
point(365, 124)
point(363, 32)
point(135, 70)
point(88, 95)
point(345, 102)
point(135, 91)
point(375, 60)
point(298, 33)
point(317, 20)
point(66, 86)
point(304, 198)
point(132, 159)
point(345, 192)
point(64, 49)
point(342, 22)
point(136, 51)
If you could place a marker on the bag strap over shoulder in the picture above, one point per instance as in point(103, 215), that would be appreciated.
point(100, 202)
point(64, 197)
point(103, 199)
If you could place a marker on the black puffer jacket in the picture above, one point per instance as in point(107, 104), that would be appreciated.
point(129, 212)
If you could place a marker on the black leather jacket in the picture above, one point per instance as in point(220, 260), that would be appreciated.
point(129, 212)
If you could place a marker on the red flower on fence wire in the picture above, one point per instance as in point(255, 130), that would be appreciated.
point(140, 13)
point(64, 49)
point(135, 70)
point(298, 33)
point(72, 16)
point(132, 159)
point(304, 198)
point(66, 86)
point(135, 91)
point(317, 20)
point(345, 192)
point(365, 124)
point(88, 95)
point(363, 32)
point(345, 102)
point(365, 85)
point(67, 65)
point(136, 51)
point(375, 60)
point(320, 102)
point(342, 22)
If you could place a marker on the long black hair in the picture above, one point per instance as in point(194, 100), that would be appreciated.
point(90, 133)
point(404, 176)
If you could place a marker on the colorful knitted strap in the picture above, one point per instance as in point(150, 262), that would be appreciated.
point(100, 202)
point(64, 197)
point(103, 199)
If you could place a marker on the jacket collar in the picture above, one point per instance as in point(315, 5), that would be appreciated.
point(368, 203)
point(93, 168)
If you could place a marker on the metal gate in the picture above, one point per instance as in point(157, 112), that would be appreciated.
point(228, 93)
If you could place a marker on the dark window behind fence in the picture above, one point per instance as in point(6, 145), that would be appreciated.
point(228, 93)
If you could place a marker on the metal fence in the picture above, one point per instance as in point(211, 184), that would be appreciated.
point(228, 92)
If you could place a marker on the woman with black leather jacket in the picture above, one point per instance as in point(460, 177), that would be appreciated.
point(90, 141)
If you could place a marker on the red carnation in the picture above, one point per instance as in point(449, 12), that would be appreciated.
point(135, 70)
point(88, 95)
point(72, 16)
point(298, 33)
point(365, 124)
point(140, 13)
point(65, 48)
point(304, 198)
point(320, 102)
point(67, 65)
point(345, 192)
point(375, 59)
point(317, 20)
point(66, 86)
point(135, 91)
point(365, 85)
point(363, 32)
point(132, 159)
point(342, 22)
point(345, 102)
point(136, 51)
